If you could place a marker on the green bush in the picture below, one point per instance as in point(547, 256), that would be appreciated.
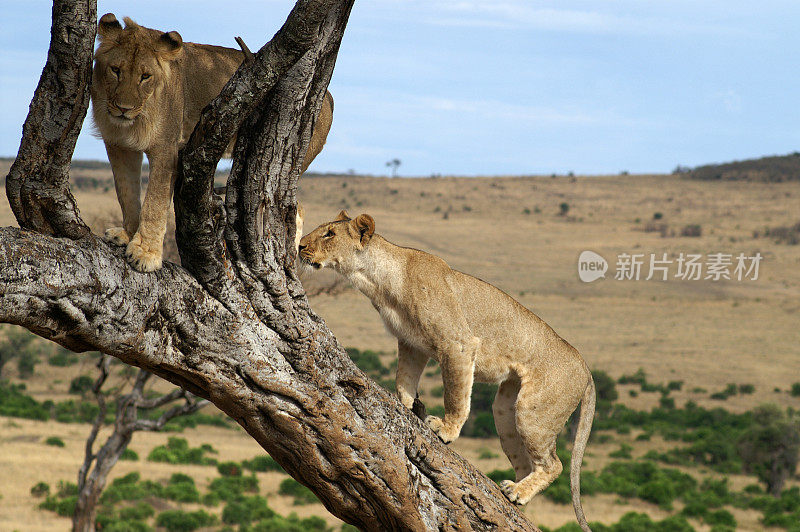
point(795, 389)
point(746, 389)
point(437, 391)
point(81, 384)
point(130, 455)
point(54, 441)
point(231, 488)
point(293, 524)
point(486, 454)
point(131, 488)
point(15, 403)
point(138, 512)
point(75, 412)
point(301, 494)
point(229, 469)
point(177, 451)
point(62, 358)
point(624, 451)
point(40, 489)
point(720, 517)
point(498, 475)
point(127, 525)
point(181, 488)
point(262, 463)
point(180, 521)
point(246, 511)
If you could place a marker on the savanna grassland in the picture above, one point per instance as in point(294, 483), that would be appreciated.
point(691, 340)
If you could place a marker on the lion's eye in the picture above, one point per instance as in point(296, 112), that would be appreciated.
point(115, 70)
point(145, 77)
point(328, 234)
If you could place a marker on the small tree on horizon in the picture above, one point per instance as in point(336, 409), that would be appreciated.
point(394, 164)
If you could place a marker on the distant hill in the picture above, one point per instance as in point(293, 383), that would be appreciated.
point(773, 169)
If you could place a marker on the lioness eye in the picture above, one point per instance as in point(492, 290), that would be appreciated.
point(115, 70)
point(145, 76)
point(328, 234)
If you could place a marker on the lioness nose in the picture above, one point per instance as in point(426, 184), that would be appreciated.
point(124, 107)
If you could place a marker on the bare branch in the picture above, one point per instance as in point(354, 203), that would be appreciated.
point(191, 406)
point(248, 55)
point(37, 184)
point(89, 456)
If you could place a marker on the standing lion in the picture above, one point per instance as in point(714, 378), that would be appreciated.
point(148, 90)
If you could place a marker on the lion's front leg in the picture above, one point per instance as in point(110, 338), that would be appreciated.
point(410, 365)
point(458, 369)
point(126, 166)
point(146, 246)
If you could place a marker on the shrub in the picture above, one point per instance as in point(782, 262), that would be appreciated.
point(181, 488)
point(674, 385)
point(293, 524)
point(180, 521)
point(563, 209)
point(624, 451)
point(262, 463)
point(15, 403)
point(54, 441)
point(138, 512)
point(40, 489)
point(367, 361)
point(231, 488)
point(127, 525)
point(62, 358)
point(720, 517)
point(64, 507)
point(129, 454)
point(692, 230)
point(177, 451)
point(81, 384)
point(437, 391)
point(229, 469)
point(746, 389)
point(246, 511)
point(486, 454)
point(498, 475)
point(795, 389)
point(75, 412)
point(301, 494)
point(131, 488)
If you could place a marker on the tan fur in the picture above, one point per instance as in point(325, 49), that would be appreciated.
point(148, 90)
point(475, 331)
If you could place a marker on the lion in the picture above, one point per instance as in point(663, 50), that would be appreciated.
point(148, 90)
point(476, 332)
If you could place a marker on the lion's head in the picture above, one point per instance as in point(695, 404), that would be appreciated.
point(131, 65)
point(333, 243)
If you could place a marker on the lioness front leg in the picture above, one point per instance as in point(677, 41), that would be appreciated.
point(126, 165)
point(458, 369)
point(146, 246)
point(410, 364)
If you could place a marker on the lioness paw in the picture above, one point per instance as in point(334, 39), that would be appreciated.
point(512, 491)
point(143, 257)
point(117, 235)
point(437, 425)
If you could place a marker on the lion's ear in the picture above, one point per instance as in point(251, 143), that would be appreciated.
point(169, 44)
point(365, 225)
point(342, 217)
point(108, 27)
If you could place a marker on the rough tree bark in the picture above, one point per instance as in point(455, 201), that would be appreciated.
point(233, 324)
point(94, 471)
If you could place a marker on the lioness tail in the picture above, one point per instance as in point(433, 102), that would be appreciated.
point(578, 448)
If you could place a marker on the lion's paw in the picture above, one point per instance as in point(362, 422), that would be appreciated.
point(118, 236)
point(512, 490)
point(143, 257)
point(437, 425)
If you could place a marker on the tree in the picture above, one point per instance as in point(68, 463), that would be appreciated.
point(394, 164)
point(232, 325)
point(770, 448)
point(16, 344)
point(96, 466)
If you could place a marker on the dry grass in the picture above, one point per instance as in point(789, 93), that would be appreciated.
point(706, 333)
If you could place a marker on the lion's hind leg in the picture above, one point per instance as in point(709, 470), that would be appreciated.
point(504, 411)
point(540, 416)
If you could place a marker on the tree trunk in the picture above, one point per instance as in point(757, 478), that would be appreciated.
point(233, 325)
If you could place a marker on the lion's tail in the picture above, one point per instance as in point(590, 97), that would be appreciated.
point(578, 448)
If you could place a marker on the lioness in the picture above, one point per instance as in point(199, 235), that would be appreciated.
point(474, 331)
point(148, 89)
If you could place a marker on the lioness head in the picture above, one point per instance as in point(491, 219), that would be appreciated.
point(333, 243)
point(130, 65)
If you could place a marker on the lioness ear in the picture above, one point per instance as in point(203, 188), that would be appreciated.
point(342, 217)
point(365, 225)
point(108, 27)
point(169, 44)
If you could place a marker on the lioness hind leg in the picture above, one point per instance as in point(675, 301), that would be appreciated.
point(504, 420)
point(540, 414)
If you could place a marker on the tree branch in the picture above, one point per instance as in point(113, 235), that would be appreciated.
point(38, 183)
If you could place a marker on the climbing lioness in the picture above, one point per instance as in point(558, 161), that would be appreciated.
point(475, 331)
point(148, 90)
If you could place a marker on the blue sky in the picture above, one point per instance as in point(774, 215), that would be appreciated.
point(503, 87)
